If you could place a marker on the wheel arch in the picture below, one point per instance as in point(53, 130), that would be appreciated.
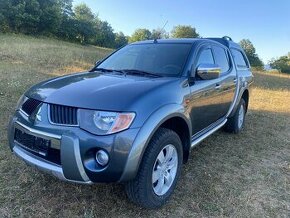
point(179, 125)
point(163, 117)
point(244, 93)
point(246, 97)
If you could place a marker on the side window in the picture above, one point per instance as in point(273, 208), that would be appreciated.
point(239, 58)
point(205, 57)
point(221, 58)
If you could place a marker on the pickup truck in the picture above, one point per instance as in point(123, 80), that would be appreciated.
point(135, 116)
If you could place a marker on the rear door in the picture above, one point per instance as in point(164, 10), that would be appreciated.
point(228, 78)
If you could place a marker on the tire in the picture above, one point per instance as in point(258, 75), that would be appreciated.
point(142, 191)
point(236, 123)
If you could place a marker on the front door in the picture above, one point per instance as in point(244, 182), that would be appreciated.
point(205, 98)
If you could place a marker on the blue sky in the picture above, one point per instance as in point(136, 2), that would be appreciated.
point(265, 23)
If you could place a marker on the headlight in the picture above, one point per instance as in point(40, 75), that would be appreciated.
point(104, 123)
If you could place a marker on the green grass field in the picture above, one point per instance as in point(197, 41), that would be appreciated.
point(245, 175)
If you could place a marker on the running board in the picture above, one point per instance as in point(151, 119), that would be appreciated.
point(204, 136)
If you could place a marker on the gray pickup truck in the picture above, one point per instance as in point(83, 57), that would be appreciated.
point(135, 116)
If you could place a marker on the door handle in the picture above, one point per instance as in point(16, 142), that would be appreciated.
point(218, 86)
point(235, 80)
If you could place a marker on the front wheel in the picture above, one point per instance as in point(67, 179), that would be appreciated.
point(159, 170)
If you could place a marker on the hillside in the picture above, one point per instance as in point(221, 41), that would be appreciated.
point(227, 175)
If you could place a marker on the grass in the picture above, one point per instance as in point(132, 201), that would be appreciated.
point(244, 175)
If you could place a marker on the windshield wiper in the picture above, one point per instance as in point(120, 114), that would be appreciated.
point(140, 72)
point(104, 70)
point(128, 71)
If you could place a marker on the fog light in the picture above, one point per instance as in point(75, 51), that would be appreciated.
point(102, 158)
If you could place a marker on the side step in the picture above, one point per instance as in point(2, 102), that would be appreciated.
point(208, 133)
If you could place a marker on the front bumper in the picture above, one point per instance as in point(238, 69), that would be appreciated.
point(41, 164)
point(77, 150)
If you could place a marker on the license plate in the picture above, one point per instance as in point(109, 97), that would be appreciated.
point(32, 143)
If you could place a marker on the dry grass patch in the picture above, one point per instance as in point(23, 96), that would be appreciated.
point(245, 175)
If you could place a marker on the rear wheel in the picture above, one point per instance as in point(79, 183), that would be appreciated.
point(236, 123)
point(159, 170)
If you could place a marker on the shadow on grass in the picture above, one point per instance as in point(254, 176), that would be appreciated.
point(227, 175)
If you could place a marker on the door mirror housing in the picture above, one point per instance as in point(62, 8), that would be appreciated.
point(208, 71)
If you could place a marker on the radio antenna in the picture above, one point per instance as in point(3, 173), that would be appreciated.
point(161, 30)
point(164, 25)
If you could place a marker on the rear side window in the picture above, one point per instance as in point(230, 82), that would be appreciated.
point(205, 57)
point(221, 58)
point(240, 60)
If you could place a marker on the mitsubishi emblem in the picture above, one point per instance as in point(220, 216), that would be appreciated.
point(38, 115)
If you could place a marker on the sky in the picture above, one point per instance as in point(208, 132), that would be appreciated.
point(265, 23)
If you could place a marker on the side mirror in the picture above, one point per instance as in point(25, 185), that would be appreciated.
point(208, 71)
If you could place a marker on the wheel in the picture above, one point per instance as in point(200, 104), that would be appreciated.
point(159, 170)
point(236, 123)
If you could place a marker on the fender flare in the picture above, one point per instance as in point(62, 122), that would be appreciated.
point(239, 97)
point(145, 134)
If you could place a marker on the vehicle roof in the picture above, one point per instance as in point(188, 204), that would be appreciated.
point(226, 41)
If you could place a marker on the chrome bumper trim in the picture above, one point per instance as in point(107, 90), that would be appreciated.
point(37, 132)
point(43, 165)
point(40, 164)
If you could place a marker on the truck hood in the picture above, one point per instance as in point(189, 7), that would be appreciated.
point(96, 91)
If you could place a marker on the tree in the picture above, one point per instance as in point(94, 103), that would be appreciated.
point(250, 51)
point(5, 9)
point(4, 27)
point(182, 31)
point(30, 18)
point(105, 36)
point(66, 6)
point(140, 35)
point(248, 47)
point(282, 63)
point(85, 31)
point(21, 16)
point(120, 40)
point(159, 34)
point(51, 14)
point(83, 12)
point(84, 23)
point(69, 29)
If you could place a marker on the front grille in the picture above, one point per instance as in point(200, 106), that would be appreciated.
point(30, 105)
point(38, 146)
point(63, 115)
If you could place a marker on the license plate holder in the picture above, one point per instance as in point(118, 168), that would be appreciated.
point(32, 143)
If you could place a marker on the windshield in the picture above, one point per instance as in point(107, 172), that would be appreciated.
point(160, 59)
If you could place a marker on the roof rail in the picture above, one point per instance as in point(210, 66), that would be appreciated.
point(227, 38)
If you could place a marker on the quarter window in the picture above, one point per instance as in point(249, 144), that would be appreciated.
point(221, 58)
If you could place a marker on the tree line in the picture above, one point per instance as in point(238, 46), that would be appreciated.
point(58, 18)
point(281, 63)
